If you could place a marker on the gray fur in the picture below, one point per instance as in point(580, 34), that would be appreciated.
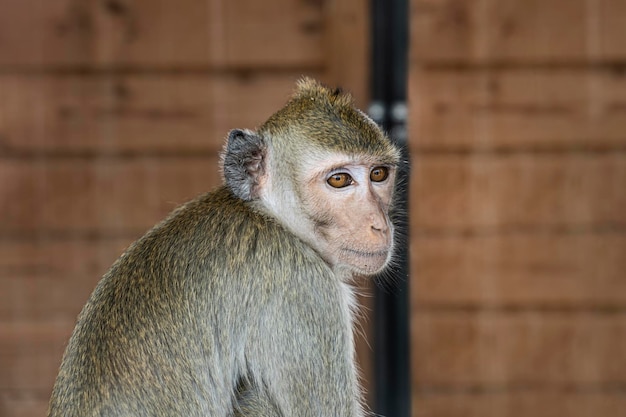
point(208, 301)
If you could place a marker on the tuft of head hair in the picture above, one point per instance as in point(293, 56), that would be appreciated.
point(326, 118)
point(308, 88)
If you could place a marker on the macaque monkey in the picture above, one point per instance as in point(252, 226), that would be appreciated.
point(240, 302)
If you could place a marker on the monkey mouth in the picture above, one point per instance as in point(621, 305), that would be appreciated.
point(365, 262)
point(366, 254)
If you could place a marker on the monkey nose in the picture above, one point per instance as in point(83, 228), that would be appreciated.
point(379, 227)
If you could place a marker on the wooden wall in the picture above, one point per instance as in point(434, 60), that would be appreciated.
point(112, 113)
point(518, 207)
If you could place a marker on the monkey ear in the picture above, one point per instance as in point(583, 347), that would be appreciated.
point(244, 163)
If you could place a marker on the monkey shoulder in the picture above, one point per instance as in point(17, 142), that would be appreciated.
point(220, 221)
point(219, 234)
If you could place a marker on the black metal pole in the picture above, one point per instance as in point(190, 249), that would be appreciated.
point(391, 306)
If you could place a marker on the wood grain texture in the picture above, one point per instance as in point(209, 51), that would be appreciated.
point(513, 32)
point(43, 279)
point(517, 109)
point(30, 353)
point(141, 34)
point(107, 195)
point(133, 113)
point(24, 404)
point(347, 39)
point(539, 402)
point(531, 348)
point(518, 209)
point(518, 191)
point(541, 270)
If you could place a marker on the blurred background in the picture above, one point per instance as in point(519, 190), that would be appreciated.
point(112, 113)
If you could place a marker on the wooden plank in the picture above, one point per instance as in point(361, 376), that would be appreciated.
point(111, 196)
point(485, 348)
point(484, 193)
point(517, 109)
point(347, 43)
point(24, 404)
point(535, 402)
point(186, 33)
point(133, 113)
point(276, 33)
point(533, 31)
point(541, 270)
point(52, 279)
point(59, 257)
point(43, 297)
point(31, 352)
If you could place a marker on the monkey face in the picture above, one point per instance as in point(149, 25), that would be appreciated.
point(346, 206)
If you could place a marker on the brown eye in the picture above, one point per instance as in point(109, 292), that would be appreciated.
point(379, 174)
point(339, 180)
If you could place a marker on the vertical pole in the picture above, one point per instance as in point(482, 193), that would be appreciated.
point(391, 306)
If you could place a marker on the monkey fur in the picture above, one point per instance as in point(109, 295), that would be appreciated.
point(230, 306)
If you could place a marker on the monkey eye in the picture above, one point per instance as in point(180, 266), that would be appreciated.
point(379, 174)
point(339, 180)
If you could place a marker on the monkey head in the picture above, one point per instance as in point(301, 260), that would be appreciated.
point(324, 170)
